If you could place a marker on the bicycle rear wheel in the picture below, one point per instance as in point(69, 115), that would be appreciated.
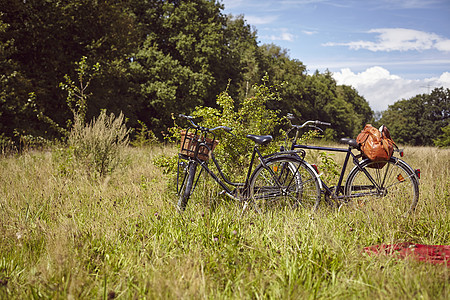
point(186, 190)
point(395, 186)
point(284, 182)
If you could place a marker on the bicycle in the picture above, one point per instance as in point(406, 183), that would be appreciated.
point(280, 179)
point(392, 180)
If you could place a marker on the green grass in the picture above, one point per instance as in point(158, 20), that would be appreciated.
point(65, 235)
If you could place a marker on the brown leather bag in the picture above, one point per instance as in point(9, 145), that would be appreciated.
point(376, 145)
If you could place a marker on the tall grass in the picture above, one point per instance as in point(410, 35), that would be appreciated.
point(119, 236)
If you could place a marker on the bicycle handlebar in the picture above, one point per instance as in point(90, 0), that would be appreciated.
point(186, 117)
point(308, 123)
point(311, 123)
point(190, 119)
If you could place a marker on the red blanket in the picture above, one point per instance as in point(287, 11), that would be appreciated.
point(435, 254)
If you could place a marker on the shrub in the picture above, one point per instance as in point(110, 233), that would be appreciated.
point(251, 117)
point(143, 136)
point(6, 145)
point(444, 139)
point(97, 146)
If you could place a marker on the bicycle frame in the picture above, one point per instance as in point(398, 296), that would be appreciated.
point(338, 192)
point(225, 181)
point(239, 188)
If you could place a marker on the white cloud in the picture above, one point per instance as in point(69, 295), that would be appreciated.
point(443, 80)
point(286, 36)
point(282, 35)
point(381, 88)
point(399, 39)
point(443, 45)
point(307, 32)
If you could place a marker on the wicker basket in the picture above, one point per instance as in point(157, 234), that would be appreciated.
point(189, 142)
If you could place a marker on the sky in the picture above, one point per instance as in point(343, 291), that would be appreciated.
point(387, 50)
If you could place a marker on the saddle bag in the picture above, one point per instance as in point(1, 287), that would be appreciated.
point(376, 145)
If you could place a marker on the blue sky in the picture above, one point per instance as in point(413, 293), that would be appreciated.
point(386, 49)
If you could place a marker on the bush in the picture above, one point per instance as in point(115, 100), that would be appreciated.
point(143, 136)
point(96, 147)
point(251, 117)
point(444, 139)
point(6, 145)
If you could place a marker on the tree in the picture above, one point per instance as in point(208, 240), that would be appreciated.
point(185, 60)
point(158, 57)
point(360, 112)
point(418, 120)
point(50, 36)
point(14, 87)
point(244, 58)
point(291, 74)
point(444, 139)
point(317, 96)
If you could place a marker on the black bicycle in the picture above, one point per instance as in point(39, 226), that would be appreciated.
point(391, 184)
point(280, 179)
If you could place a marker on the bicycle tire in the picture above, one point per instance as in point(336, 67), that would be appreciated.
point(188, 182)
point(297, 185)
point(397, 182)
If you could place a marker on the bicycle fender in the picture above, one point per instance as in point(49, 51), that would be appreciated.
point(314, 172)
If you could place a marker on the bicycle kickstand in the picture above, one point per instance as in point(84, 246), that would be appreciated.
point(244, 208)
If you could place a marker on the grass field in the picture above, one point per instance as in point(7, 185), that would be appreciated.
point(67, 236)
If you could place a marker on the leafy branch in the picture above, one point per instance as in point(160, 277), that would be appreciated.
point(77, 92)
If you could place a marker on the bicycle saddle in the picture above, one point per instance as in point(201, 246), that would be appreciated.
point(350, 142)
point(260, 139)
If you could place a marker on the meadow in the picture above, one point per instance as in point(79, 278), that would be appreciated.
point(66, 235)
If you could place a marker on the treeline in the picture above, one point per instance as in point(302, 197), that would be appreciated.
point(153, 58)
point(156, 58)
point(421, 120)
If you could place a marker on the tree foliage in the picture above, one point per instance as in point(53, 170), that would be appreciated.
point(418, 120)
point(49, 38)
point(444, 139)
point(250, 117)
point(158, 57)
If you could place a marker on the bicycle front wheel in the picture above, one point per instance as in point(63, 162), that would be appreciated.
point(390, 186)
point(187, 184)
point(284, 181)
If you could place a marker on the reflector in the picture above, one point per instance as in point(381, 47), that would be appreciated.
point(417, 171)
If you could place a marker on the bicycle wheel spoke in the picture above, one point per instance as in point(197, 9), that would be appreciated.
point(403, 180)
point(285, 182)
point(396, 188)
